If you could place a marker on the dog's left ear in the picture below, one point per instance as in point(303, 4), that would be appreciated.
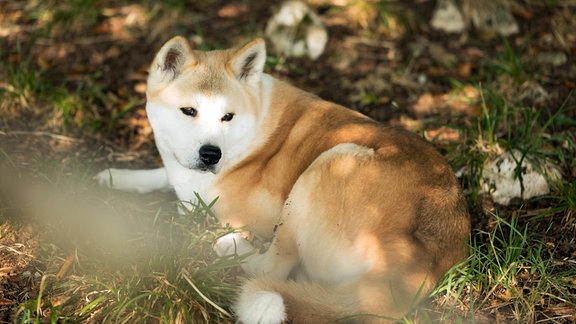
point(247, 64)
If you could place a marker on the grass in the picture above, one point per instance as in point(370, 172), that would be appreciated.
point(23, 84)
point(506, 126)
point(509, 265)
point(513, 270)
point(509, 63)
point(111, 265)
point(123, 258)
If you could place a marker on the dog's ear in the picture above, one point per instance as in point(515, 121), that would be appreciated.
point(170, 60)
point(247, 63)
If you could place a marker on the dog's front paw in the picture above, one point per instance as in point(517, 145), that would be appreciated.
point(231, 244)
point(141, 181)
point(105, 177)
point(119, 179)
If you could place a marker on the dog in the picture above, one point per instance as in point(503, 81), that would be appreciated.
point(362, 218)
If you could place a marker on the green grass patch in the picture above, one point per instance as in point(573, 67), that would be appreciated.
point(509, 274)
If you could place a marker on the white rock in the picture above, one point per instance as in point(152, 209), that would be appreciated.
point(453, 16)
point(295, 30)
point(501, 182)
point(447, 17)
point(493, 16)
point(554, 58)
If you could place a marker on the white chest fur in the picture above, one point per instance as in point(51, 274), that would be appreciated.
point(189, 184)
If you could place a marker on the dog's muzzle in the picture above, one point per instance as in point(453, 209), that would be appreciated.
point(210, 154)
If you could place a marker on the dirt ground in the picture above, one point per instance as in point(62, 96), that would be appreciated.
point(400, 72)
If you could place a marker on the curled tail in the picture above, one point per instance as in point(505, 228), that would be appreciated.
point(267, 301)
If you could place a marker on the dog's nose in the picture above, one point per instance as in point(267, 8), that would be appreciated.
point(210, 154)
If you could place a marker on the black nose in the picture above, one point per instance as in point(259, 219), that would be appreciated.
point(210, 154)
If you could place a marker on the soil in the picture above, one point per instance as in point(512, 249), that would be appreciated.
point(401, 76)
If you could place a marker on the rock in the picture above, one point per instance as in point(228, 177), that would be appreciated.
point(503, 182)
point(488, 16)
point(447, 17)
point(295, 30)
point(552, 58)
point(531, 91)
point(491, 16)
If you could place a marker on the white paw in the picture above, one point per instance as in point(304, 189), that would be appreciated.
point(262, 307)
point(104, 177)
point(118, 179)
point(231, 244)
point(141, 181)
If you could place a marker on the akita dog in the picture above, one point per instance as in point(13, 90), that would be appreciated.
point(363, 218)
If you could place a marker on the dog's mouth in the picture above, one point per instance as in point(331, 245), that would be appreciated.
point(203, 167)
point(206, 168)
point(199, 166)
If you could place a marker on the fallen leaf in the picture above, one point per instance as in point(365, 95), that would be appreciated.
point(232, 10)
point(442, 134)
point(65, 266)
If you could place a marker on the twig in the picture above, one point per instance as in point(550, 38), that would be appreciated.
point(14, 250)
point(40, 133)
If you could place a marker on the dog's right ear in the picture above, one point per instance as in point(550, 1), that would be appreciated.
point(170, 60)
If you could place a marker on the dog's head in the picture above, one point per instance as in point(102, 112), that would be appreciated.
point(204, 106)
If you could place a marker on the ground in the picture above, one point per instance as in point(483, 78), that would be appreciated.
point(72, 87)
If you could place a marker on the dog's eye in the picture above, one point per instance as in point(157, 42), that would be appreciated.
point(228, 117)
point(189, 111)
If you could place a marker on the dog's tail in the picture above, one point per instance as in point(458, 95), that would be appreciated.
point(267, 301)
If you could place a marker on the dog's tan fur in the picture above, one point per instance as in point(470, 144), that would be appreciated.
point(397, 204)
point(363, 218)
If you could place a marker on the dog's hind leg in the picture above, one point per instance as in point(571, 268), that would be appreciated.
point(277, 262)
point(141, 181)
